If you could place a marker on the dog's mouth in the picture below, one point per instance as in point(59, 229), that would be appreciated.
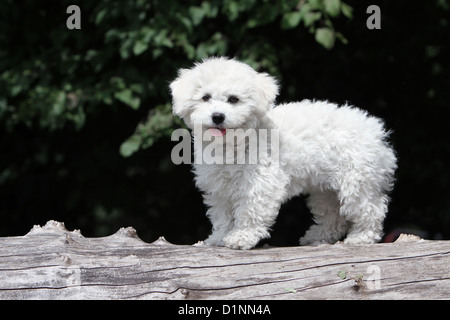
point(217, 132)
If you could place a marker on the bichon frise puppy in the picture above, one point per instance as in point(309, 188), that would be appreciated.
point(339, 156)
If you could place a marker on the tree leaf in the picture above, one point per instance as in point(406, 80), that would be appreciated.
point(126, 96)
point(316, 4)
point(291, 290)
point(139, 47)
point(342, 274)
point(347, 10)
point(310, 17)
point(326, 37)
point(131, 145)
point(332, 7)
point(197, 14)
point(290, 20)
point(358, 277)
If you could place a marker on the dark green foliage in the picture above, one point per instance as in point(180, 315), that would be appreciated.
point(85, 115)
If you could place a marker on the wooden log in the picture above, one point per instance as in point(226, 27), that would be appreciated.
point(51, 262)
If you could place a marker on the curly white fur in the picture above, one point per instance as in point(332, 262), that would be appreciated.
point(339, 156)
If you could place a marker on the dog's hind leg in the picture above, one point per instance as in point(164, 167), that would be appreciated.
point(364, 206)
point(366, 216)
point(330, 227)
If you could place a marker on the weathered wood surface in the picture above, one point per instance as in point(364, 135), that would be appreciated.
point(51, 262)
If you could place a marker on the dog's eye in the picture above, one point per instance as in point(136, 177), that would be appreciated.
point(233, 99)
point(206, 97)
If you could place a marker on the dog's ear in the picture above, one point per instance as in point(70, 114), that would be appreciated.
point(266, 90)
point(181, 90)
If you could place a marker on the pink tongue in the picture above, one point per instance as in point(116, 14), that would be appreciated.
point(217, 132)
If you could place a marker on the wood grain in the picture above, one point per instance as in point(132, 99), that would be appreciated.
point(51, 262)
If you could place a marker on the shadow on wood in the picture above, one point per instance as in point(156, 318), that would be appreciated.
point(51, 262)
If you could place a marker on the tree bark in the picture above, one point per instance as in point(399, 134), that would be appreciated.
point(51, 262)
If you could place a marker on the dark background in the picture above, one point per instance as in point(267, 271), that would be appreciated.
point(85, 117)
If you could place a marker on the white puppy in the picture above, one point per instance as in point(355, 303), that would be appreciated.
point(339, 156)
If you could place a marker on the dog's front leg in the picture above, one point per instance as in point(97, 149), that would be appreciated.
point(251, 225)
point(255, 212)
point(219, 213)
point(222, 223)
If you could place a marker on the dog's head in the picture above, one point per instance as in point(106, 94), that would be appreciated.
point(221, 93)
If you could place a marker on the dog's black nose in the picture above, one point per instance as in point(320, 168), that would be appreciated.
point(218, 118)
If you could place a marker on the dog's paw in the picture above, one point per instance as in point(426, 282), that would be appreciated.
point(214, 241)
point(364, 237)
point(242, 239)
point(312, 242)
